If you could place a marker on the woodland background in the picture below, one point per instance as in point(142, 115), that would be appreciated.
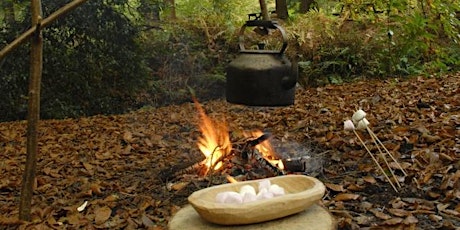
point(114, 56)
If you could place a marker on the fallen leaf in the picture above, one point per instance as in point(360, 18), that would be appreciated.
point(346, 196)
point(393, 221)
point(399, 212)
point(128, 137)
point(435, 218)
point(102, 214)
point(410, 220)
point(380, 215)
point(370, 179)
point(146, 221)
point(335, 187)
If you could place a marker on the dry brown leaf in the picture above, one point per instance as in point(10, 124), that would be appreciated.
point(180, 185)
point(363, 219)
point(399, 212)
point(111, 198)
point(88, 167)
point(128, 137)
point(410, 220)
point(355, 187)
point(96, 188)
point(346, 197)
point(147, 222)
point(370, 179)
point(435, 218)
point(451, 212)
point(393, 221)
point(433, 195)
point(335, 187)
point(102, 214)
point(379, 214)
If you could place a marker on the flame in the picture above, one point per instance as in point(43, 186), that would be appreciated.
point(215, 140)
point(267, 150)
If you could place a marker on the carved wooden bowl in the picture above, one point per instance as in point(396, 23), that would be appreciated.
point(300, 193)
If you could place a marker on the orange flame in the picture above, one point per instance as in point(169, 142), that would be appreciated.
point(215, 140)
point(267, 150)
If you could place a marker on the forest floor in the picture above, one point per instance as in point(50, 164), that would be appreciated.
point(118, 163)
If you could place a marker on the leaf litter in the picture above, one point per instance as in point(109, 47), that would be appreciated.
point(112, 164)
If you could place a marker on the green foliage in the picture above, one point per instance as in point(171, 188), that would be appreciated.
point(407, 38)
point(92, 64)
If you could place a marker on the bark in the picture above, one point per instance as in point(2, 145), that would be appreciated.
point(305, 6)
point(281, 9)
point(264, 10)
point(171, 8)
point(36, 63)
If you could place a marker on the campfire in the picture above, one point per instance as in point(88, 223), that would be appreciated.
point(250, 156)
point(253, 151)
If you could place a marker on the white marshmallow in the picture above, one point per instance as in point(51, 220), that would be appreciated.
point(220, 197)
point(229, 198)
point(348, 125)
point(358, 115)
point(234, 198)
point(362, 124)
point(264, 194)
point(264, 184)
point(276, 190)
point(247, 189)
point(249, 197)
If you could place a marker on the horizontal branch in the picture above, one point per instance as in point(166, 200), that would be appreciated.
point(47, 21)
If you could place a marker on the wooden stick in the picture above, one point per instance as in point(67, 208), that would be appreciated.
point(382, 154)
point(375, 160)
point(33, 115)
point(386, 150)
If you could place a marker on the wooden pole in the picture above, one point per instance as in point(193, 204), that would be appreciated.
point(36, 64)
point(45, 22)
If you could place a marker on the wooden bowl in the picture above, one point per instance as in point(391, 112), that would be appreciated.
point(300, 193)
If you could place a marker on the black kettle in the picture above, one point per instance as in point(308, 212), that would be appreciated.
point(261, 77)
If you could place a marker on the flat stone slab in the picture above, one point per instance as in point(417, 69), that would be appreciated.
point(313, 218)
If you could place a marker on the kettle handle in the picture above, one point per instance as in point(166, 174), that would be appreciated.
point(267, 25)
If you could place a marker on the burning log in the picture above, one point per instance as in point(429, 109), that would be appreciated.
point(219, 154)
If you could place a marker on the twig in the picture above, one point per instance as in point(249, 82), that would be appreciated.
point(211, 166)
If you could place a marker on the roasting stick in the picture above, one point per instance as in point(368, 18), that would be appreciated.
point(384, 158)
point(359, 118)
point(375, 160)
point(386, 150)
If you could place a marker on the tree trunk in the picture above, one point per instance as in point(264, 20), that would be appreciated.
point(150, 11)
point(305, 6)
point(170, 5)
point(264, 10)
point(281, 9)
point(36, 63)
